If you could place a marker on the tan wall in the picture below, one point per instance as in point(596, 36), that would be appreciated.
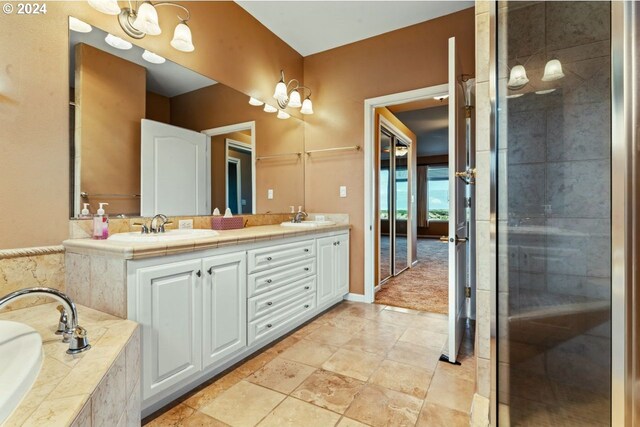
point(342, 79)
point(158, 108)
point(110, 102)
point(219, 105)
point(231, 47)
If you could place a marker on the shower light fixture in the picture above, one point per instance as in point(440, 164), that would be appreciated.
point(255, 102)
point(117, 42)
point(552, 71)
point(143, 21)
point(288, 95)
point(517, 78)
point(79, 26)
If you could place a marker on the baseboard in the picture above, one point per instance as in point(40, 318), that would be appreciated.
point(354, 297)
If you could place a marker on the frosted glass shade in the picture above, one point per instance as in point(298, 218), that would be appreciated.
point(254, 101)
point(269, 109)
point(147, 20)
point(401, 151)
point(517, 77)
point(294, 99)
point(552, 71)
point(79, 26)
point(110, 7)
point(117, 42)
point(152, 57)
point(281, 91)
point(282, 115)
point(307, 107)
point(182, 38)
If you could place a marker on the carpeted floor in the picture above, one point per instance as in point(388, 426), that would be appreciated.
point(423, 287)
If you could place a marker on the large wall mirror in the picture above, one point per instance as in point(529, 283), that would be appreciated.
point(150, 136)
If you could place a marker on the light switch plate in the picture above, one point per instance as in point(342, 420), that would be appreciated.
point(185, 224)
point(270, 194)
point(343, 191)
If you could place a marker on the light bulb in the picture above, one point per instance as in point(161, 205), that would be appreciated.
point(307, 106)
point(552, 71)
point(147, 20)
point(269, 109)
point(282, 115)
point(254, 101)
point(182, 38)
point(517, 78)
point(152, 57)
point(294, 99)
point(79, 26)
point(117, 42)
point(110, 7)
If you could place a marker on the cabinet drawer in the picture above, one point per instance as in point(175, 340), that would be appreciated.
point(280, 320)
point(275, 300)
point(275, 256)
point(270, 279)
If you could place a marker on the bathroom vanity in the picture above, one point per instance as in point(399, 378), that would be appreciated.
point(205, 304)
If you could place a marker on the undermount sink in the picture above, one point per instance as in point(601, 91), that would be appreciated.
point(20, 362)
point(167, 236)
point(307, 224)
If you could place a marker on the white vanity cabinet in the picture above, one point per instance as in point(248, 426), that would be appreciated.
point(333, 268)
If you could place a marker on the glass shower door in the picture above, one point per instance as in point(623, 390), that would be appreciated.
point(401, 217)
point(385, 209)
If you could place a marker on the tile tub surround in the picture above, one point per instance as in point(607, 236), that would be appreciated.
point(317, 376)
point(98, 387)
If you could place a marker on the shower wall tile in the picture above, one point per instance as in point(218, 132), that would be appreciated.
point(568, 25)
point(527, 137)
point(526, 30)
point(585, 286)
point(483, 181)
point(526, 192)
point(483, 258)
point(587, 81)
point(579, 132)
point(483, 118)
point(569, 182)
point(482, 47)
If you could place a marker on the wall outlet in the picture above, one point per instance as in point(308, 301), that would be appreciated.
point(343, 191)
point(270, 194)
point(244, 202)
point(185, 224)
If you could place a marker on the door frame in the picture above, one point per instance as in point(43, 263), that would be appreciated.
point(230, 142)
point(251, 126)
point(370, 170)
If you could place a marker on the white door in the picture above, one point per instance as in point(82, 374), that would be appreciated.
point(457, 208)
point(326, 270)
point(342, 264)
point(224, 306)
point(173, 172)
point(169, 312)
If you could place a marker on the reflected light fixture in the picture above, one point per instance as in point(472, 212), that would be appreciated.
point(282, 115)
point(441, 97)
point(401, 150)
point(152, 57)
point(552, 71)
point(143, 21)
point(117, 42)
point(269, 109)
point(289, 95)
point(517, 78)
point(79, 26)
point(255, 102)
point(544, 92)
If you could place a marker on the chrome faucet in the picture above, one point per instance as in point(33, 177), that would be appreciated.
point(299, 216)
point(152, 227)
point(72, 333)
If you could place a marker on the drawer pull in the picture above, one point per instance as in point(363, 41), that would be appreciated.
point(269, 258)
point(306, 250)
point(307, 287)
point(269, 325)
point(210, 270)
point(268, 280)
point(269, 303)
point(306, 306)
point(334, 243)
point(199, 273)
point(338, 242)
point(306, 269)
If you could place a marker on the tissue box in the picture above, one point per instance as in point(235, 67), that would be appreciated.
point(222, 223)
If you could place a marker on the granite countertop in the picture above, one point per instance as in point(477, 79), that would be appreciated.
point(67, 382)
point(130, 250)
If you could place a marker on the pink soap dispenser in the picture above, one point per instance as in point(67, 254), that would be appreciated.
point(101, 223)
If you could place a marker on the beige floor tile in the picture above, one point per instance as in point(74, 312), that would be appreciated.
point(255, 363)
point(244, 404)
point(433, 324)
point(370, 344)
point(383, 330)
point(401, 377)
point(381, 407)
point(424, 338)
point(184, 416)
point(284, 344)
point(349, 323)
point(281, 375)
point(396, 318)
point(422, 357)
point(466, 370)
point(355, 364)
point(306, 330)
point(451, 391)
point(348, 422)
point(402, 310)
point(330, 335)
point(364, 311)
point(295, 413)
point(329, 390)
point(440, 416)
point(204, 396)
point(309, 352)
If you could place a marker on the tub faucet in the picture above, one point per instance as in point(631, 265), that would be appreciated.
point(73, 333)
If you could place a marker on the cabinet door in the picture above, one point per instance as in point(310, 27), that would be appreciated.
point(169, 312)
point(342, 265)
point(224, 306)
point(326, 269)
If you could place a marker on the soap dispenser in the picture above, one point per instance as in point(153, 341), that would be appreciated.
point(84, 213)
point(101, 223)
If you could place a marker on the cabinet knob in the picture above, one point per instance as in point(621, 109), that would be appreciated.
point(307, 287)
point(338, 242)
point(335, 243)
point(269, 280)
point(269, 258)
point(269, 303)
point(306, 269)
point(199, 273)
point(306, 306)
point(210, 270)
point(269, 325)
point(306, 250)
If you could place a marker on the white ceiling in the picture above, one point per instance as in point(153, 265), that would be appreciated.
point(315, 26)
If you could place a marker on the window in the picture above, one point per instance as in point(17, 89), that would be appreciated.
point(438, 193)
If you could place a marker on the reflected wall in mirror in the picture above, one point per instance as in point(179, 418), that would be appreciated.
point(151, 136)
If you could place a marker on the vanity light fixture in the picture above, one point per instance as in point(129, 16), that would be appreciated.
point(289, 95)
point(152, 57)
point(269, 108)
point(517, 78)
point(139, 22)
point(255, 102)
point(282, 115)
point(552, 71)
point(117, 42)
point(79, 26)
point(401, 150)
point(441, 97)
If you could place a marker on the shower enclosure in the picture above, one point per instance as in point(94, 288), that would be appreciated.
point(553, 204)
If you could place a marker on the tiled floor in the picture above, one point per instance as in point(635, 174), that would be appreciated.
point(356, 365)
